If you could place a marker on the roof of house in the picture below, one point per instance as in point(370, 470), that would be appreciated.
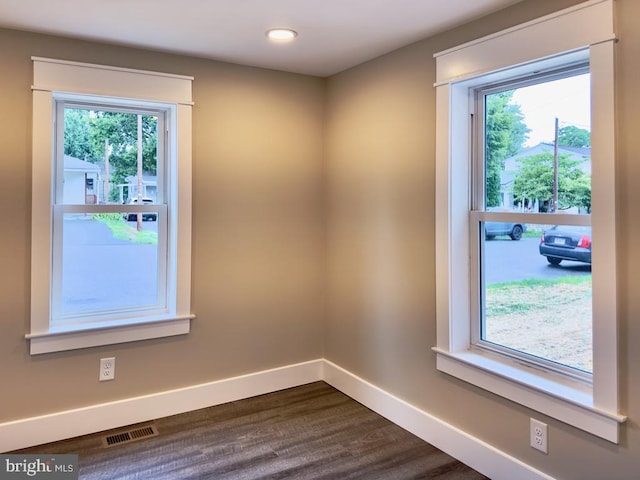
point(148, 179)
point(76, 165)
point(511, 166)
point(548, 148)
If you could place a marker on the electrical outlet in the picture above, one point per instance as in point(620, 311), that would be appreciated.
point(107, 369)
point(538, 435)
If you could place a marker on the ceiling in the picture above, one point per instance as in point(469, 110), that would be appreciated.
point(333, 35)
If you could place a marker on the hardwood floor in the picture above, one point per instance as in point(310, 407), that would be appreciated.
point(307, 432)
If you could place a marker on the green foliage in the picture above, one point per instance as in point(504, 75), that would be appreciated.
point(505, 133)
point(108, 217)
point(114, 195)
point(77, 143)
point(121, 230)
point(571, 136)
point(87, 130)
point(121, 132)
point(540, 282)
point(535, 180)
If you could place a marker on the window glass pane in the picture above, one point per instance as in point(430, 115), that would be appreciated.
point(101, 162)
point(523, 169)
point(107, 264)
point(537, 292)
point(535, 280)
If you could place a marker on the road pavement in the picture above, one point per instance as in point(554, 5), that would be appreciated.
point(103, 272)
point(508, 260)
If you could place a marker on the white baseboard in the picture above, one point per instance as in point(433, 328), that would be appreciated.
point(473, 452)
point(477, 454)
point(105, 416)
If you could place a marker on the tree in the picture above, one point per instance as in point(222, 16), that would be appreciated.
point(505, 134)
point(572, 136)
point(120, 131)
point(76, 135)
point(535, 180)
point(87, 132)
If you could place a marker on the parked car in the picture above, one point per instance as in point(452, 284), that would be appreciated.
point(566, 243)
point(514, 230)
point(133, 217)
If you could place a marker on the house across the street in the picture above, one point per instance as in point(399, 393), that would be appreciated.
point(512, 166)
point(81, 181)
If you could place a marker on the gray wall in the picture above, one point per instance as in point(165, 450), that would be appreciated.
point(313, 236)
point(380, 168)
point(258, 248)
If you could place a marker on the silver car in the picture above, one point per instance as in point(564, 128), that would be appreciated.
point(514, 230)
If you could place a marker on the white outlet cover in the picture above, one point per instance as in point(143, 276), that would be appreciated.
point(107, 369)
point(538, 435)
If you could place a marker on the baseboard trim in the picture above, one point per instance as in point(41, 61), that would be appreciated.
point(472, 451)
point(96, 418)
point(477, 454)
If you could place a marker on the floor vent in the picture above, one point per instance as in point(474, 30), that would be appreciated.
point(129, 436)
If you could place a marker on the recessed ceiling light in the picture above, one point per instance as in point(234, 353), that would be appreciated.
point(281, 34)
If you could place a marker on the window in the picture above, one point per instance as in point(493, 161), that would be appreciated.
point(525, 222)
point(532, 295)
point(111, 205)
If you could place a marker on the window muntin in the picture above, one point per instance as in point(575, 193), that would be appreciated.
point(528, 305)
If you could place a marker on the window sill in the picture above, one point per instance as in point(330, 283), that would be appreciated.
point(568, 401)
point(84, 336)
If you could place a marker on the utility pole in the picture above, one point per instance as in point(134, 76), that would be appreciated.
point(107, 153)
point(140, 202)
point(555, 169)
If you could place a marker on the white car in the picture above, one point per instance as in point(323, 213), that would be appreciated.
point(133, 217)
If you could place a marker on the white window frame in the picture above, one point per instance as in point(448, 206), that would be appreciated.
point(581, 33)
point(166, 117)
point(479, 213)
point(57, 81)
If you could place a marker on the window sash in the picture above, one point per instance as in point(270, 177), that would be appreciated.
point(63, 101)
point(573, 67)
point(478, 341)
point(163, 303)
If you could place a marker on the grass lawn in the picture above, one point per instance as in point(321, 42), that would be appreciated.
point(124, 231)
point(546, 318)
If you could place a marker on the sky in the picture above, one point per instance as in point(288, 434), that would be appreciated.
point(568, 99)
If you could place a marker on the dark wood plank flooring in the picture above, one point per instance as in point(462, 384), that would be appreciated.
point(307, 432)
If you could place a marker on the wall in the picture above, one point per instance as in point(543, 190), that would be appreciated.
point(380, 166)
point(260, 140)
point(258, 248)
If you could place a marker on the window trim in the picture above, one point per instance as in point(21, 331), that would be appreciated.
point(59, 79)
point(587, 34)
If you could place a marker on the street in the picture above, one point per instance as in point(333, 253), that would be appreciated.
point(507, 260)
point(100, 272)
